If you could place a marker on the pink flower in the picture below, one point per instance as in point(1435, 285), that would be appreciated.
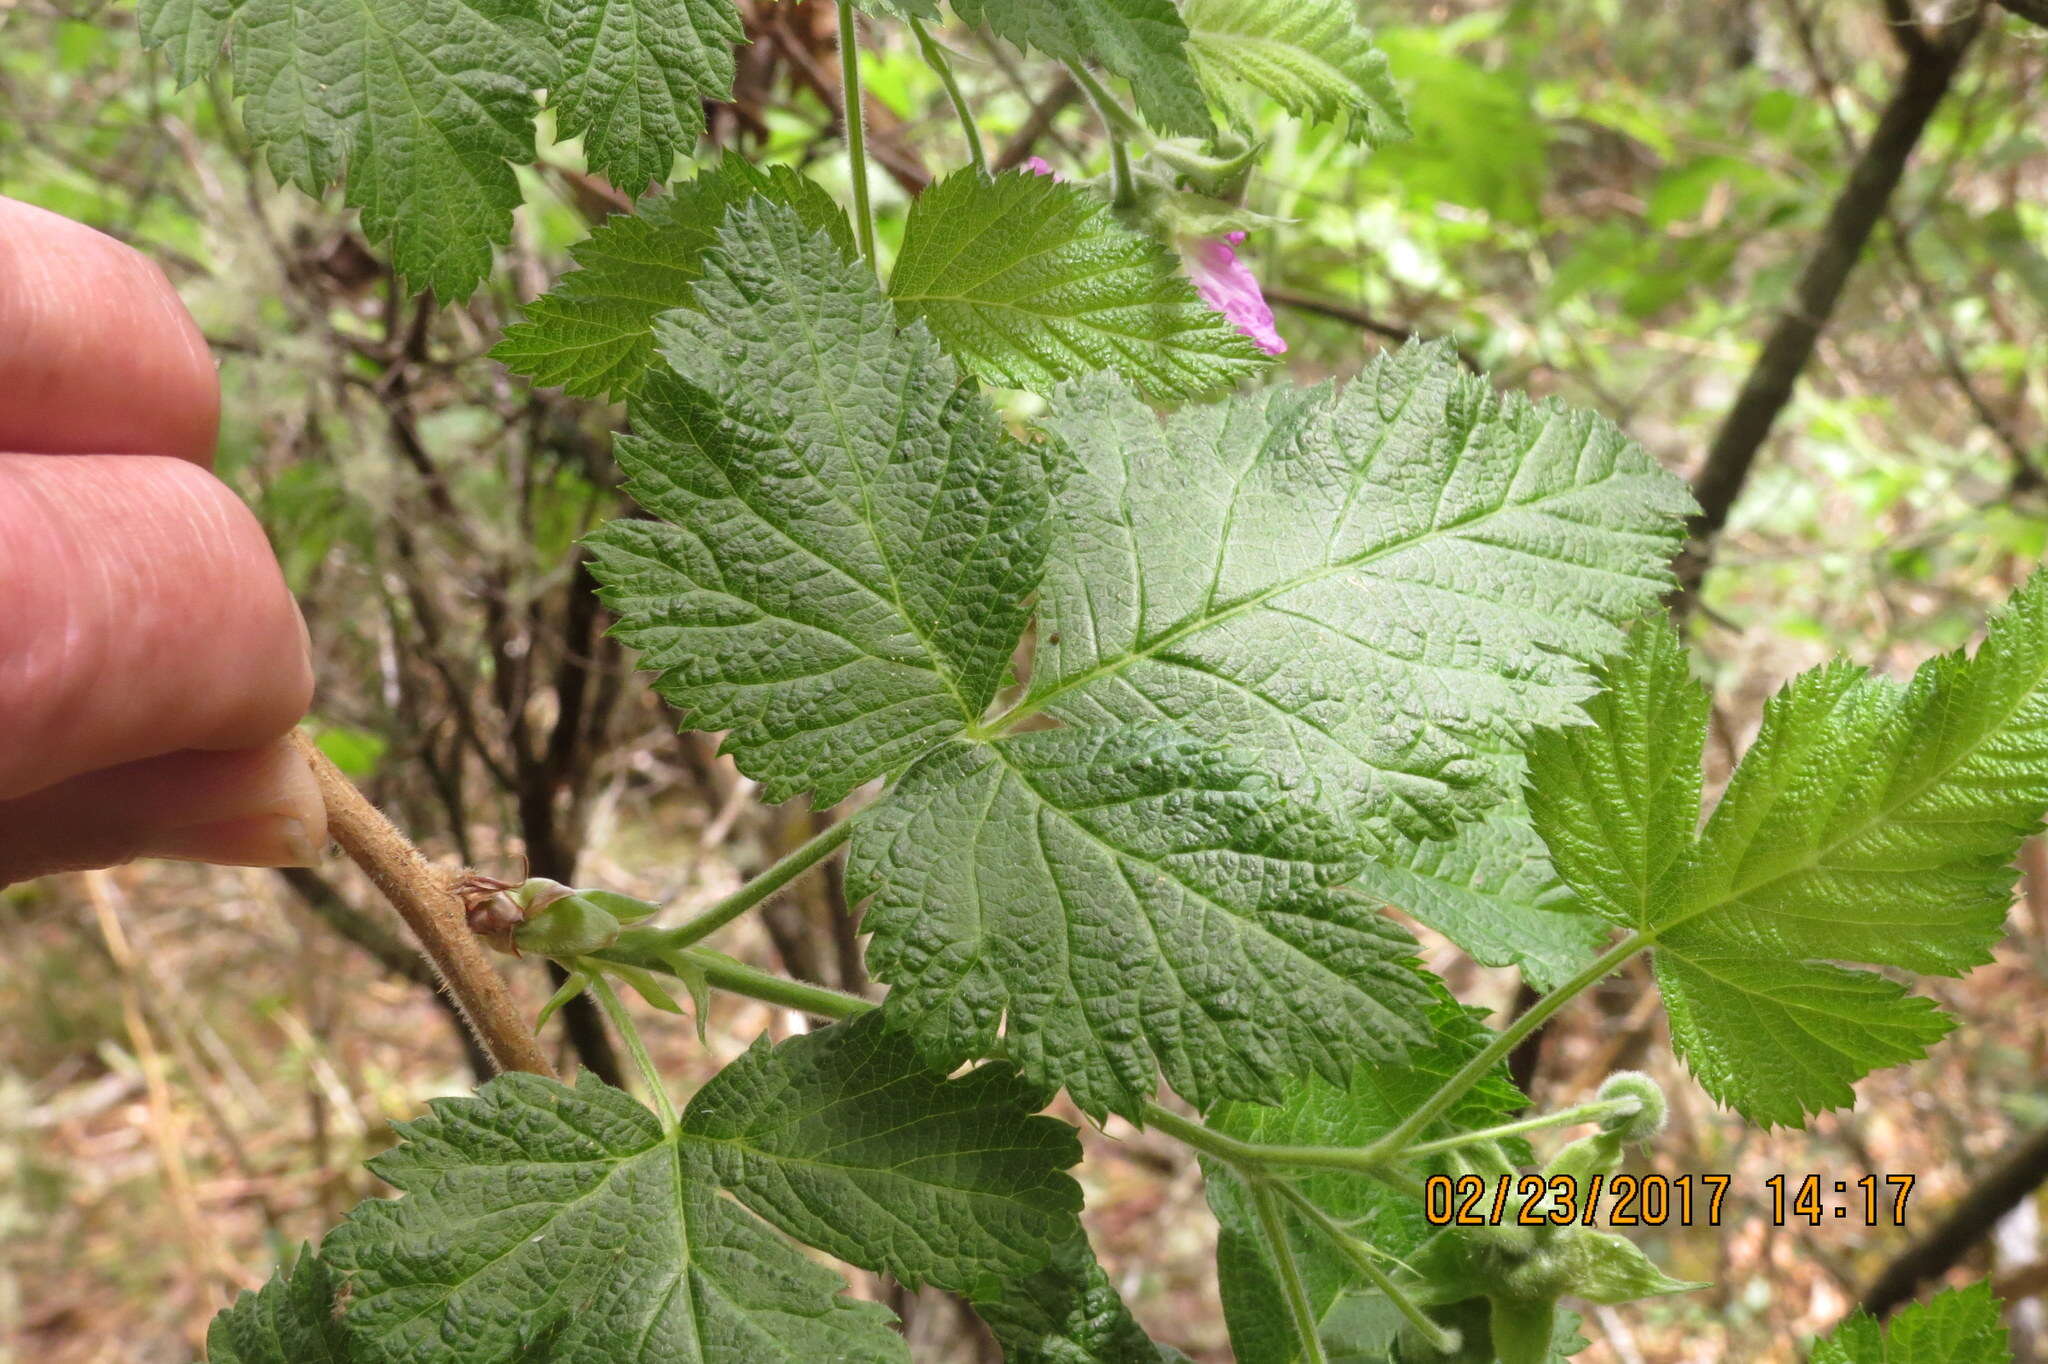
point(1223, 281)
point(1229, 286)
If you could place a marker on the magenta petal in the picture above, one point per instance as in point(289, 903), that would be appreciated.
point(1228, 285)
point(1038, 165)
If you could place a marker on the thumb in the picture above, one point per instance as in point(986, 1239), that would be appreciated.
point(257, 807)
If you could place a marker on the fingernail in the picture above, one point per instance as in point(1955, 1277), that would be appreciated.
point(254, 841)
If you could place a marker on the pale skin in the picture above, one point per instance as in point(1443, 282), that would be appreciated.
point(151, 659)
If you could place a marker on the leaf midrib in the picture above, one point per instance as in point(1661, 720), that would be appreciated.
point(1812, 860)
point(1196, 624)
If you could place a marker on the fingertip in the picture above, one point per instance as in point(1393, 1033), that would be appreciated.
point(147, 615)
point(258, 807)
point(98, 354)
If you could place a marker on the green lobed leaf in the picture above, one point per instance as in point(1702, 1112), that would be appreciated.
point(1870, 822)
point(426, 103)
point(546, 1223)
point(593, 333)
point(850, 536)
point(292, 1319)
point(1370, 1103)
point(1376, 588)
point(845, 1140)
point(1491, 890)
point(1027, 281)
point(1960, 1326)
point(1116, 903)
point(635, 75)
point(1068, 1313)
point(1144, 41)
point(189, 33)
point(552, 1224)
point(1617, 803)
point(1310, 55)
point(902, 9)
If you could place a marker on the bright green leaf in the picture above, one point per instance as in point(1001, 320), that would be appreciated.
point(1143, 41)
point(1027, 281)
point(635, 75)
point(847, 1141)
point(1310, 55)
point(1377, 588)
point(1869, 822)
point(1609, 1269)
point(1961, 1326)
point(1617, 803)
point(849, 535)
point(293, 1319)
point(1130, 902)
point(593, 333)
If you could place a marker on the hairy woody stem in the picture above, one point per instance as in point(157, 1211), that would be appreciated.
point(422, 897)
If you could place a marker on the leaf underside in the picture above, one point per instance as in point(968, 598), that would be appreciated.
point(1491, 890)
point(1870, 822)
point(1309, 55)
point(1377, 588)
point(1028, 281)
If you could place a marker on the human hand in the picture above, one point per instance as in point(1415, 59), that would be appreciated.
point(151, 660)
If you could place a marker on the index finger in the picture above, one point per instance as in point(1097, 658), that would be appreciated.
point(97, 353)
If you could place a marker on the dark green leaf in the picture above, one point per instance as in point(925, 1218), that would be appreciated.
point(847, 1141)
point(635, 75)
point(849, 537)
point(1121, 902)
point(593, 333)
point(293, 1319)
